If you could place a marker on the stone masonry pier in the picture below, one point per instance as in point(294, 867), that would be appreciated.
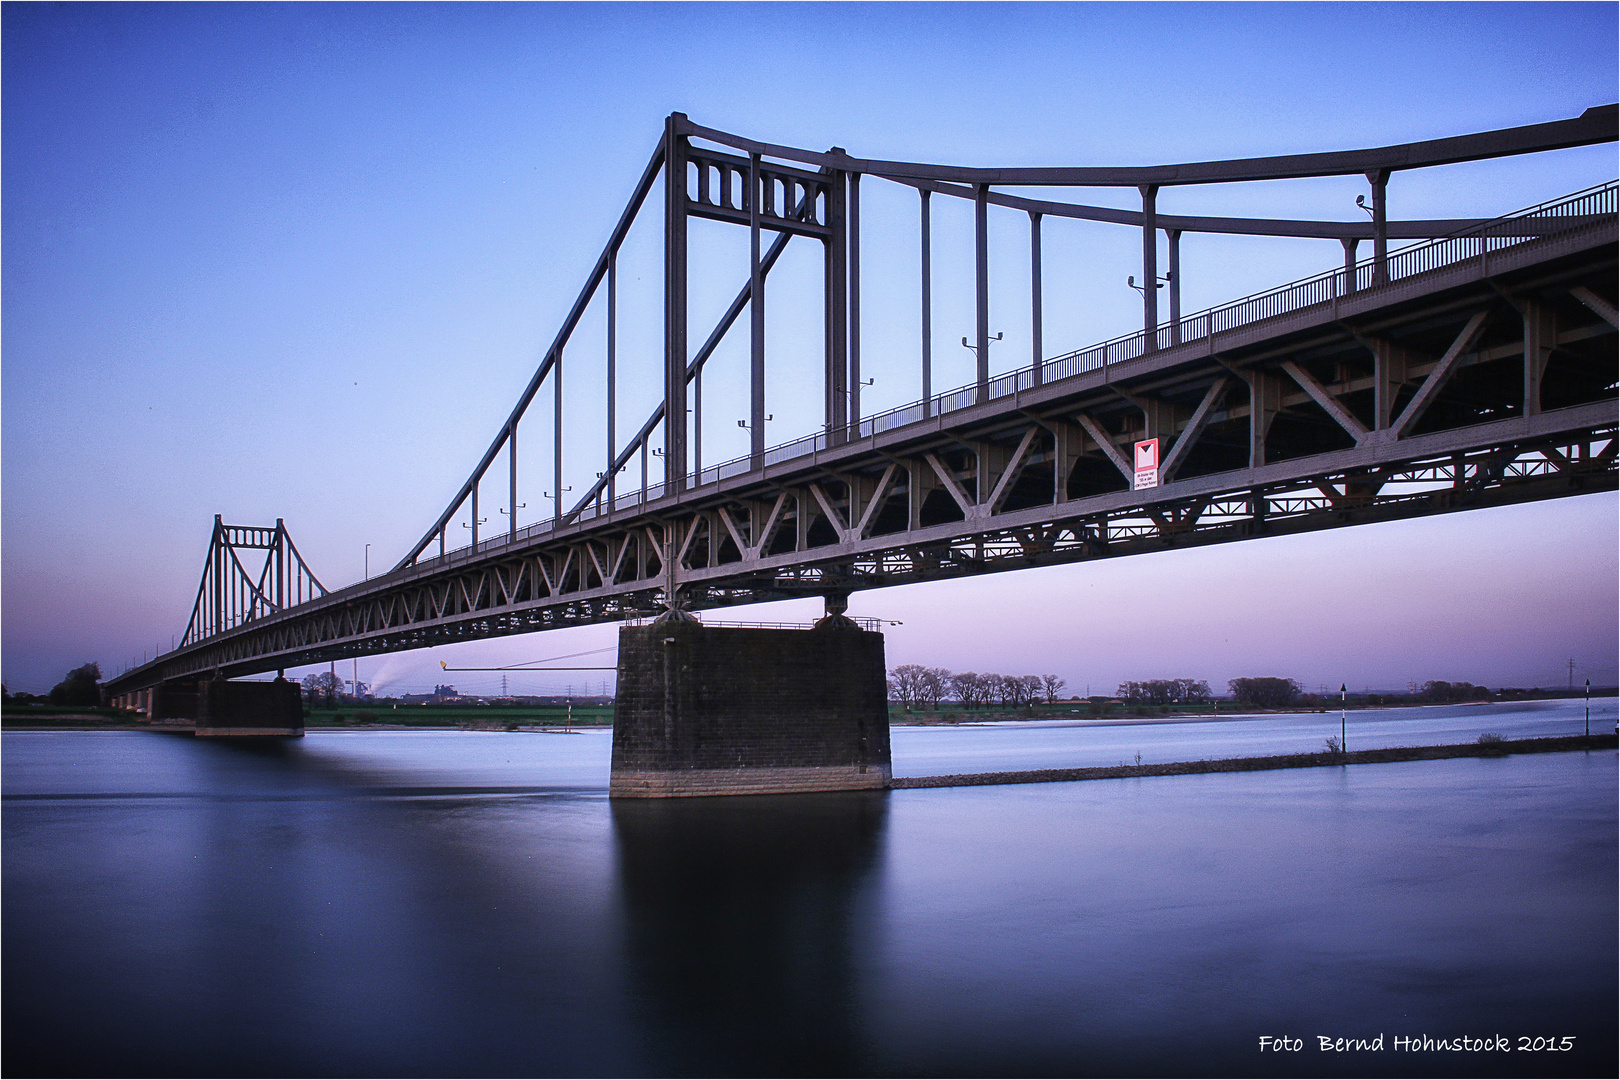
point(707, 710)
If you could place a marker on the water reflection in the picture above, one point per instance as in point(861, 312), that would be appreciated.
point(251, 910)
point(461, 903)
point(745, 920)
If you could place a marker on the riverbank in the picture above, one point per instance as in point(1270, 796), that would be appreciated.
point(1257, 764)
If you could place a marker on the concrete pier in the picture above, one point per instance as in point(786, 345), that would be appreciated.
point(217, 707)
point(249, 708)
point(743, 711)
point(174, 701)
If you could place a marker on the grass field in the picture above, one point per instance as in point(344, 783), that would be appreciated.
point(63, 716)
point(952, 713)
point(442, 716)
point(448, 715)
point(517, 716)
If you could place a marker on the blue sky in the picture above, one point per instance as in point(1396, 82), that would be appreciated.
point(298, 260)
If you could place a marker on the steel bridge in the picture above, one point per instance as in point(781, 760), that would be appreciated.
point(1474, 368)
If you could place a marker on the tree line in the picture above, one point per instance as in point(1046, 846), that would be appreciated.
point(920, 687)
point(1440, 691)
point(328, 687)
point(1267, 693)
point(1165, 692)
point(916, 686)
point(1276, 693)
point(1263, 692)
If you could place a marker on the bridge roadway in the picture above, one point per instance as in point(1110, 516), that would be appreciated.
point(1291, 423)
point(1472, 371)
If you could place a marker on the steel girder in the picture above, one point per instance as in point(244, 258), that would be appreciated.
point(1404, 410)
point(1483, 381)
point(727, 552)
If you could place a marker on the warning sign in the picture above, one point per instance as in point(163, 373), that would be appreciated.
point(1147, 464)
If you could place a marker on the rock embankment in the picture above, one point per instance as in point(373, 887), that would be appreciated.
point(1255, 764)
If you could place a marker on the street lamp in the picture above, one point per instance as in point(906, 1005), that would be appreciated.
point(974, 349)
point(368, 562)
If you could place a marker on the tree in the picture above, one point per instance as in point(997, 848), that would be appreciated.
point(1459, 691)
point(1146, 692)
point(969, 688)
point(1050, 685)
point(1192, 690)
point(1268, 692)
point(906, 684)
point(325, 685)
point(935, 684)
point(1165, 691)
point(81, 687)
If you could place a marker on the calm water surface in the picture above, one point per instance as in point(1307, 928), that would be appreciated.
point(459, 903)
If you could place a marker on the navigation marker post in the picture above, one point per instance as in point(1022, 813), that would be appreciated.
point(1588, 708)
point(1342, 746)
point(1147, 464)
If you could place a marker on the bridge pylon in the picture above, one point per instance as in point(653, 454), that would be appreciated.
point(230, 594)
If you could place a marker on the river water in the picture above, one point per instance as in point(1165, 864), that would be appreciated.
point(466, 903)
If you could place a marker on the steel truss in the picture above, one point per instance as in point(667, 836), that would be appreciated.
point(1477, 369)
point(230, 595)
point(617, 574)
point(790, 192)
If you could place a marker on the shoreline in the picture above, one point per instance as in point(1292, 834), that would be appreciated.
point(1555, 744)
point(186, 728)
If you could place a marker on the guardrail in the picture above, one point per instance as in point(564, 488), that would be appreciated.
point(864, 622)
point(1560, 215)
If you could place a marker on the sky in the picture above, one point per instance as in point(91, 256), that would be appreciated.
point(298, 261)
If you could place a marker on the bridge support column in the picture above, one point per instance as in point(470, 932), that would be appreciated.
point(240, 709)
point(1173, 276)
point(1348, 285)
point(1540, 338)
point(1150, 268)
point(1379, 179)
point(675, 355)
point(1389, 376)
point(741, 711)
point(1265, 401)
point(175, 701)
point(835, 309)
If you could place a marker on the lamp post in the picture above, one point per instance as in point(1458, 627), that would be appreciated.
point(368, 562)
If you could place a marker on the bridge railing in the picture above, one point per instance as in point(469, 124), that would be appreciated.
point(863, 621)
point(1551, 218)
point(1510, 230)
